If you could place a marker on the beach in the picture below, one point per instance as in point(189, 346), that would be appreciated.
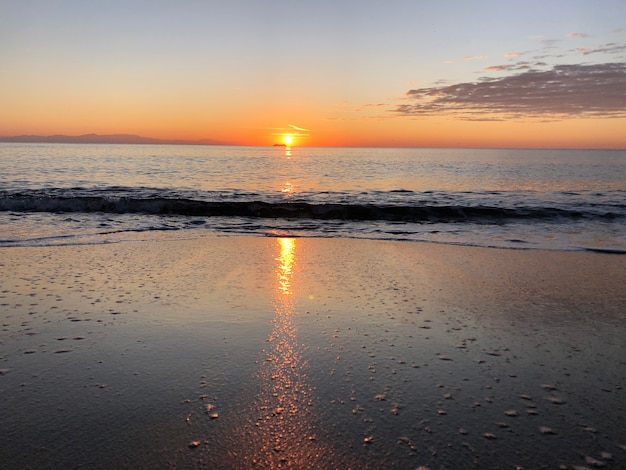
point(312, 235)
point(268, 352)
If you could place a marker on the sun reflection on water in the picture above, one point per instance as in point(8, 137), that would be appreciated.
point(288, 189)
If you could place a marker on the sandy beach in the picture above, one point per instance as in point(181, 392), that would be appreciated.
point(259, 352)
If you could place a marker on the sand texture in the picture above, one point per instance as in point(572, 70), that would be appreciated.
point(247, 352)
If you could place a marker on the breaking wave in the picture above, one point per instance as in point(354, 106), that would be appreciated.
point(437, 212)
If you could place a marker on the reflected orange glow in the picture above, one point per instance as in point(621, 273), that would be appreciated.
point(284, 434)
point(288, 189)
point(287, 249)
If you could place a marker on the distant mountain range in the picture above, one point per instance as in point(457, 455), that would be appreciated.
point(103, 139)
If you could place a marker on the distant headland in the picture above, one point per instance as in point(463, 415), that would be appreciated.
point(104, 139)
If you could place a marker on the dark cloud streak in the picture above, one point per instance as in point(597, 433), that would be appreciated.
point(610, 48)
point(565, 91)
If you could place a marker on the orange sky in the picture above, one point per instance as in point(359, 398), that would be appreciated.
point(380, 75)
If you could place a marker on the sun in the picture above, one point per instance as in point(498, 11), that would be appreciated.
point(288, 140)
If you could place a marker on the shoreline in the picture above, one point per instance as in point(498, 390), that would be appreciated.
point(139, 237)
point(334, 352)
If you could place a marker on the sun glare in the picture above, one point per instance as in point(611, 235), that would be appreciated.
point(288, 140)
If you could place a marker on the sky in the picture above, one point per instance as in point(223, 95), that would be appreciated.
point(406, 73)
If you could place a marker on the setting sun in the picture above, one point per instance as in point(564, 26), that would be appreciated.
point(288, 140)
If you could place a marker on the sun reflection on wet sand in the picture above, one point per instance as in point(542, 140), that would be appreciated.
point(287, 257)
point(283, 435)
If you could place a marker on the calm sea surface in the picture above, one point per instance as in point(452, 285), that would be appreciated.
point(543, 199)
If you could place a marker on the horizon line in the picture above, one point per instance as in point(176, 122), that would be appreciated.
point(133, 139)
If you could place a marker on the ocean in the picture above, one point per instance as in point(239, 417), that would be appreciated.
point(53, 194)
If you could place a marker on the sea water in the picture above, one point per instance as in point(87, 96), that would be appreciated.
point(54, 194)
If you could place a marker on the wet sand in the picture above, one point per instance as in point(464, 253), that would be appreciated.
point(244, 352)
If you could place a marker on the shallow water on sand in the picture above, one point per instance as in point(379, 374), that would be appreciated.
point(234, 353)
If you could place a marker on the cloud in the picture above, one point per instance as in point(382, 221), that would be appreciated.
point(550, 43)
point(509, 67)
point(298, 128)
point(513, 54)
point(609, 48)
point(563, 91)
point(291, 130)
point(474, 57)
point(497, 68)
point(577, 35)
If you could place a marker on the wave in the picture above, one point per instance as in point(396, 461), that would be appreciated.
point(436, 213)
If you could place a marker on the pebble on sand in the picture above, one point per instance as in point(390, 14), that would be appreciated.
point(546, 430)
point(556, 400)
point(594, 462)
point(493, 353)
